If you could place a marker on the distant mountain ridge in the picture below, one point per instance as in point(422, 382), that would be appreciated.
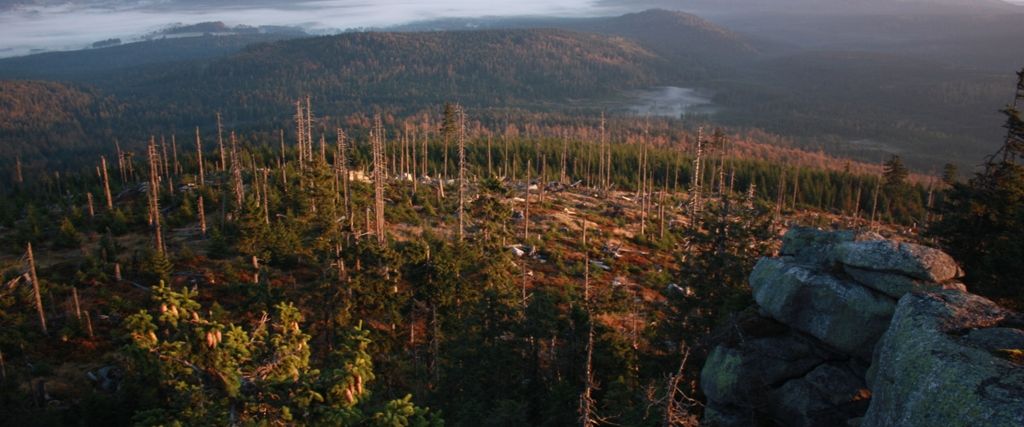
point(826, 7)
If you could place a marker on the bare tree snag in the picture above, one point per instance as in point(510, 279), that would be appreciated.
point(526, 203)
point(18, 178)
point(154, 197)
point(462, 168)
point(220, 145)
point(92, 210)
point(237, 186)
point(695, 181)
point(202, 217)
point(199, 159)
point(106, 184)
point(78, 307)
point(377, 139)
point(587, 405)
point(88, 325)
point(35, 288)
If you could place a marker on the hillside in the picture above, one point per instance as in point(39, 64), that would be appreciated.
point(405, 71)
point(506, 69)
point(697, 48)
point(46, 123)
point(827, 7)
point(91, 65)
point(676, 35)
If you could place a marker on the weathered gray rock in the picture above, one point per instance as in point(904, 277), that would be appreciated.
point(745, 374)
point(725, 416)
point(996, 339)
point(896, 285)
point(840, 313)
point(814, 246)
point(830, 395)
point(926, 372)
point(916, 261)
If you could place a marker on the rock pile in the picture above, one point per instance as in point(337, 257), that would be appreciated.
point(854, 330)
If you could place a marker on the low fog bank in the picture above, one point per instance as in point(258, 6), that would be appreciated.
point(33, 28)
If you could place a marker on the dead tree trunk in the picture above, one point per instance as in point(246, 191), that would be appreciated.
point(874, 202)
point(120, 162)
point(342, 167)
point(202, 217)
point(78, 307)
point(35, 288)
point(490, 171)
point(587, 405)
point(106, 184)
point(199, 159)
point(462, 169)
point(237, 186)
point(377, 139)
point(92, 210)
point(154, 197)
point(526, 201)
point(220, 144)
point(18, 178)
point(695, 181)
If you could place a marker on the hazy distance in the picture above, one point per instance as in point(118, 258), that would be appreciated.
point(25, 28)
point(28, 26)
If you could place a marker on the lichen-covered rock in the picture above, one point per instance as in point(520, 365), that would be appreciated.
point(931, 366)
point(814, 246)
point(916, 261)
point(726, 416)
point(744, 375)
point(896, 285)
point(840, 313)
point(996, 339)
point(830, 395)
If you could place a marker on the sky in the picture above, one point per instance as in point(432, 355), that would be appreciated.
point(68, 26)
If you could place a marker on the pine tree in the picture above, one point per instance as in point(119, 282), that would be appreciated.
point(895, 173)
point(982, 220)
point(950, 174)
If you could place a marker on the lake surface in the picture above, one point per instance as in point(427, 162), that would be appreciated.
point(670, 101)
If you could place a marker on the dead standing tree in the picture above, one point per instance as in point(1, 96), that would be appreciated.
point(462, 168)
point(154, 197)
point(106, 183)
point(237, 186)
point(220, 145)
point(379, 165)
point(199, 159)
point(698, 176)
point(35, 288)
point(587, 405)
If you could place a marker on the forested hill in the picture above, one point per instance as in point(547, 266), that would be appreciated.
point(46, 122)
point(97, 64)
point(398, 72)
point(696, 46)
point(407, 71)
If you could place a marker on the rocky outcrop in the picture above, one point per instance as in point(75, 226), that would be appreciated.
point(939, 363)
point(836, 311)
point(852, 329)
